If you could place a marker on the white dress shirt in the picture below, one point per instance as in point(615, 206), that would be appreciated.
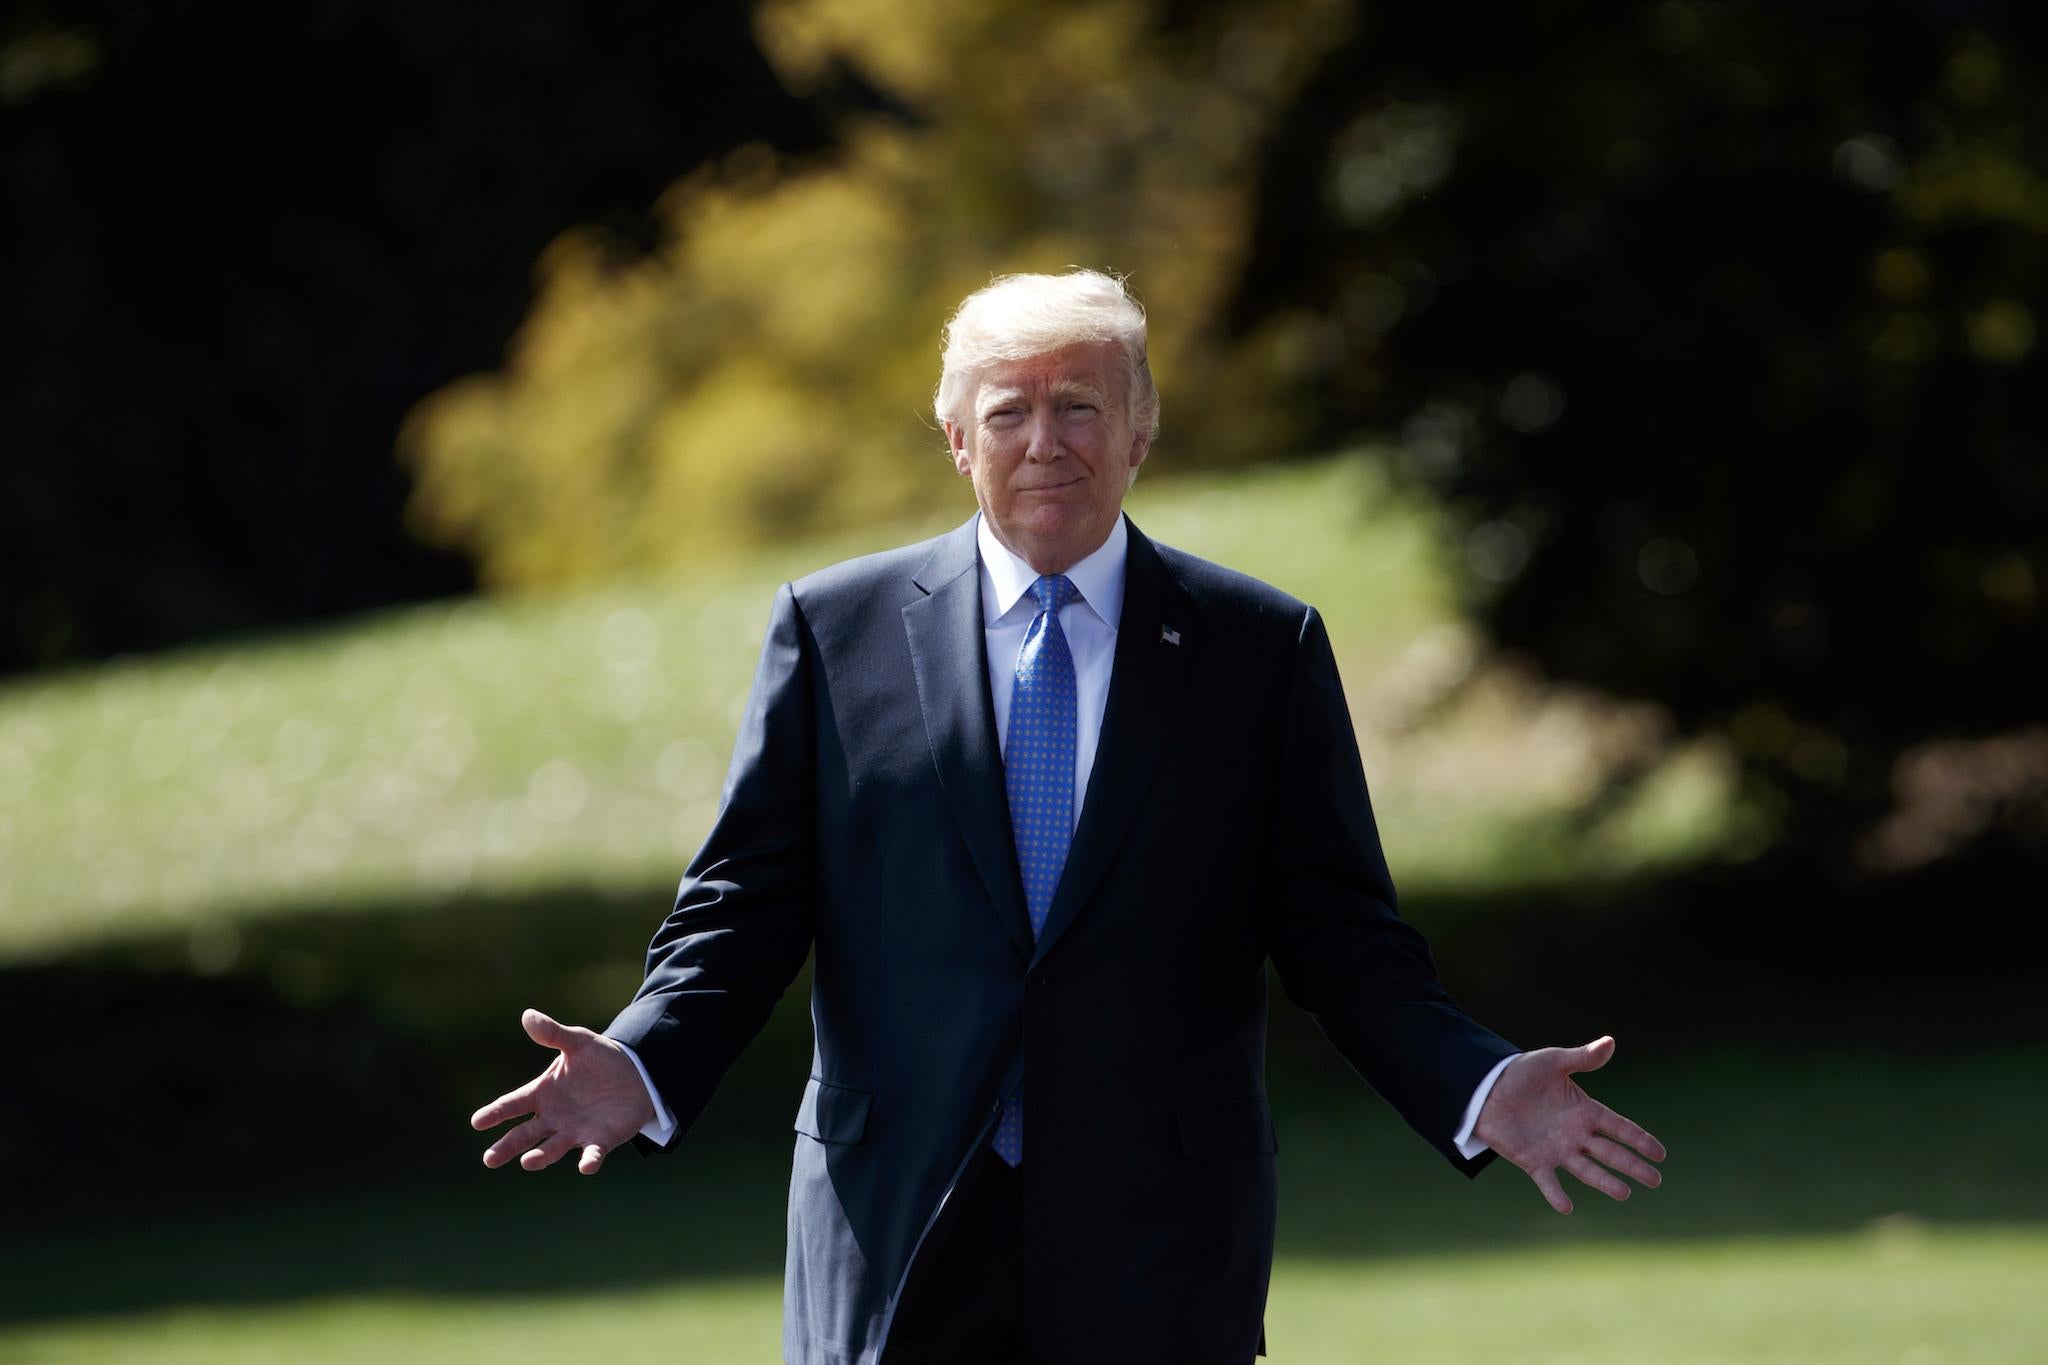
point(1089, 623)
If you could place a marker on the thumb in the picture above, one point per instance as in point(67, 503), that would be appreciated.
point(1593, 1055)
point(546, 1031)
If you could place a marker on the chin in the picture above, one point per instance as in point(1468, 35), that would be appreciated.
point(1056, 523)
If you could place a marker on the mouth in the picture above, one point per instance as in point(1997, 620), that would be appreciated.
point(1049, 487)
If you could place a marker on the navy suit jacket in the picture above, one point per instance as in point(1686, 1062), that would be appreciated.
point(1226, 823)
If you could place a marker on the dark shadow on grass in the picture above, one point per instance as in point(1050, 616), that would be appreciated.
point(278, 1108)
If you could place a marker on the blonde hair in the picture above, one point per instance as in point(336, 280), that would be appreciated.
point(1016, 317)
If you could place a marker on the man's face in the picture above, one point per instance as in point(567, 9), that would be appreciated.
point(1051, 448)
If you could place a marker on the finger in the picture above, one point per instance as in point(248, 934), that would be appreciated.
point(516, 1141)
point(1592, 1056)
point(1629, 1131)
point(1599, 1177)
point(593, 1158)
point(544, 1030)
point(507, 1106)
point(1553, 1189)
point(1625, 1161)
point(549, 1032)
point(548, 1153)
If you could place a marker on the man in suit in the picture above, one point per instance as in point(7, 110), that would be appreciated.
point(1043, 797)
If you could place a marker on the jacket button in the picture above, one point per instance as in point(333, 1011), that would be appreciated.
point(996, 1108)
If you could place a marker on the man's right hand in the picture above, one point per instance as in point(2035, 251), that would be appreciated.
point(591, 1096)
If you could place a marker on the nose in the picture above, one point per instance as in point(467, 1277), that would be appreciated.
point(1043, 440)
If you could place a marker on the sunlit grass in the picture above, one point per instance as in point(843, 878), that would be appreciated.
point(1945, 1295)
point(485, 745)
point(1935, 1296)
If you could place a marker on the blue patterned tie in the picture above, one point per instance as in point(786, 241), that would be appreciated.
point(1038, 770)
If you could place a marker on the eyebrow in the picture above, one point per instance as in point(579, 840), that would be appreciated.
point(993, 397)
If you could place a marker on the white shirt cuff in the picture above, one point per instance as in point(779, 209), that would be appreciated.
point(1467, 1145)
point(661, 1129)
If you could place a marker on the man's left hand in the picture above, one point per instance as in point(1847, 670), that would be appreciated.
point(1537, 1117)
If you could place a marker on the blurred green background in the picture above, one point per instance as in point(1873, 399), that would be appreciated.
point(410, 412)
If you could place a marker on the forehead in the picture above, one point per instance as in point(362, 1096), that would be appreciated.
point(1091, 365)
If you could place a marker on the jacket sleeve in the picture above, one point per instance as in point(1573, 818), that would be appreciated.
point(744, 912)
point(1342, 951)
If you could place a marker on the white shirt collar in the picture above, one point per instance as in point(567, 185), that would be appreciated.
point(1006, 578)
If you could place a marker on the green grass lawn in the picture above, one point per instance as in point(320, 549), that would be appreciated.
point(267, 872)
point(1817, 1209)
point(1948, 1295)
point(499, 746)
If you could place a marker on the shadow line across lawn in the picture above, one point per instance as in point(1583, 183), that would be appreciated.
point(276, 1109)
point(1762, 1144)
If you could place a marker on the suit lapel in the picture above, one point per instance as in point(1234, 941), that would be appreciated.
point(950, 658)
point(1144, 698)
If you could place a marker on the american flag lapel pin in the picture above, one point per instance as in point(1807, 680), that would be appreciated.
point(1169, 635)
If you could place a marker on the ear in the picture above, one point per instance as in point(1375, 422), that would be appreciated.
point(956, 438)
point(1141, 446)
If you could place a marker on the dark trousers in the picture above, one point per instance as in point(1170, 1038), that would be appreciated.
point(964, 1301)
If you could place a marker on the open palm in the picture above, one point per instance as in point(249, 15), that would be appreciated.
point(1537, 1117)
point(591, 1096)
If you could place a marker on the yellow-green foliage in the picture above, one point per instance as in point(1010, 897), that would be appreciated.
point(767, 369)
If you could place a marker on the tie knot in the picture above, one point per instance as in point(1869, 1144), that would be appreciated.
point(1053, 591)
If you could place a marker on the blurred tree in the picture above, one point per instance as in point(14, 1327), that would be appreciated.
point(1718, 324)
point(758, 373)
point(242, 240)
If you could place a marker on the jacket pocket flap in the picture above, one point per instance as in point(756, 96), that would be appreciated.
point(1212, 1129)
point(833, 1113)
